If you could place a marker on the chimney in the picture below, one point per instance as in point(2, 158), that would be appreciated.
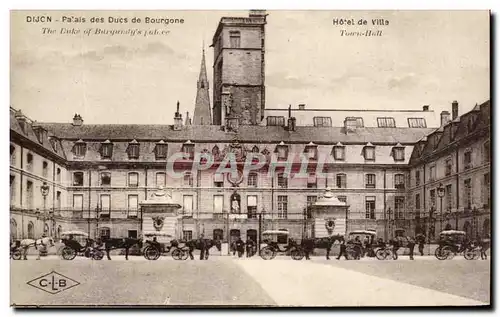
point(257, 13)
point(454, 110)
point(178, 118)
point(445, 118)
point(425, 108)
point(77, 120)
point(188, 119)
point(292, 122)
point(302, 106)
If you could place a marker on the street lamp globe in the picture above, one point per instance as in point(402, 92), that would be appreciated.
point(45, 189)
point(440, 190)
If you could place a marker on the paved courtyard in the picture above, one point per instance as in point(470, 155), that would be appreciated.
point(225, 280)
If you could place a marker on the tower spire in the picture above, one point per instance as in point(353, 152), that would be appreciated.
point(202, 113)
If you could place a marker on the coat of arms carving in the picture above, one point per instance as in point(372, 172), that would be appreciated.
point(158, 222)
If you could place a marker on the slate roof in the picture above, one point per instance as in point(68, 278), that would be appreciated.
point(257, 134)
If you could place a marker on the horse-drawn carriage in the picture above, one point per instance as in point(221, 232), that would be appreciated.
point(158, 244)
point(361, 242)
point(453, 242)
point(272, 248)
point(79, 243)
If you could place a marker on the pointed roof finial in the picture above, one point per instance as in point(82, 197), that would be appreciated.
point(289, 111)
point(178, 103)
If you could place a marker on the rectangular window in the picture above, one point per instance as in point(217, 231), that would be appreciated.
point(252, 179)
point(188, 179)
point(369, 153)
point(187, 204)
point(370, 180)
point(448, 167)
point(282, 207)
point(29, 162)
point(133, 151)
point(486, 152)
point(105, 179)
point(105, 205)
point(78, 179)
point(188, 150)
point(341, 180)
point(322, 121)
point(370, 207)
point(417, 123)
point(160, 179)
point(77, 202)
point(339, 153)
point(218, 180)
point(399, 207)
point(218, 204)
point(386, 122)
point(282, 180)
point(275, 121)
point(417, 205)
point(133, 205)
point(161, 150)
point(432, 173)
point(58, 175)
point(449, 201)
point(312, 181)
point(282, 152)
point(187, 235)
point(399, 154)
point(234, 39)
point(29, 194)
point(311, 152)
point(58, 200)
point(133, 179)
point(486, 191)
point(12, 188)
point(467, 160)
point(433, 198)
point(45, 169)
point(106, 150)
point(417, 178)
point(310, 201)
point(399, 181)
point(80, 149)
point(468, 194)
point(252, 206)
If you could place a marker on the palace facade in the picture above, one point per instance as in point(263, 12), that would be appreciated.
point(385, 165)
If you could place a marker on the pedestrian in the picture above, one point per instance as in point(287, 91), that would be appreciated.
point(240, 247)
point(395, 248)
point(343, 250)
point(411, 246)
point(358, 246)
point(250, 245)
point(485, 245)
point(421, 241)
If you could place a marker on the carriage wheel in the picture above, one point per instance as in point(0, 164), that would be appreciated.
point(381, 254)
point(184, 254)
point(151, 253)
point(442, 253)
point(97, 255)
point(16, 255)
point(471, 254)
point(477, 254)
point(68, 253)
point(177, 254)
point(297, 254)
point(267, 253)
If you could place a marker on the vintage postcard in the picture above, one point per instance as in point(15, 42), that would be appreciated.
point(250, 158)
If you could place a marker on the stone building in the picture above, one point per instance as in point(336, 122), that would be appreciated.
point(101, 177)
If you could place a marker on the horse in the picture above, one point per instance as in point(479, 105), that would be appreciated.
point(120, 243)
point(309, 244)
point(25, 244)
point(204, 245)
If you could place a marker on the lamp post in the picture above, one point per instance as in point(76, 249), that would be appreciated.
point(430, 221)
point(440, 192)
point(44, 189)
point(97, 214)
point(389, 212)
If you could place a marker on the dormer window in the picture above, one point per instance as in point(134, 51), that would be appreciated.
point(311, 151)
point(369, 152)
point(417, 123)
point(106, 149)
point(161, 150)
point(282, 151)
point(386, 122)
point(322, 121)
point(354, 122)
point(79, 149)
point(53, 143)
point(216, 153)
point(276, 121)
point(188, 149)
point(470, 124)
point(398, 152)
point(133, 150)
point(339, 152)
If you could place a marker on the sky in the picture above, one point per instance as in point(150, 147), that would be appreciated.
point(422, 57)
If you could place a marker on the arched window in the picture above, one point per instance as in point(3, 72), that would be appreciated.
point(13, 229)
point(215, 153)
point(218, 234)
point(234, 235)
point(31, 230)
point(46, 229)
point(252, 234)
point(468, 229)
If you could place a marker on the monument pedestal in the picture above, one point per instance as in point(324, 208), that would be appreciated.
point(159, 216)
point(330, 216)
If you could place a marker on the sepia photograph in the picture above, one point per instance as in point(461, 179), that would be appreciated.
point(250, 158)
